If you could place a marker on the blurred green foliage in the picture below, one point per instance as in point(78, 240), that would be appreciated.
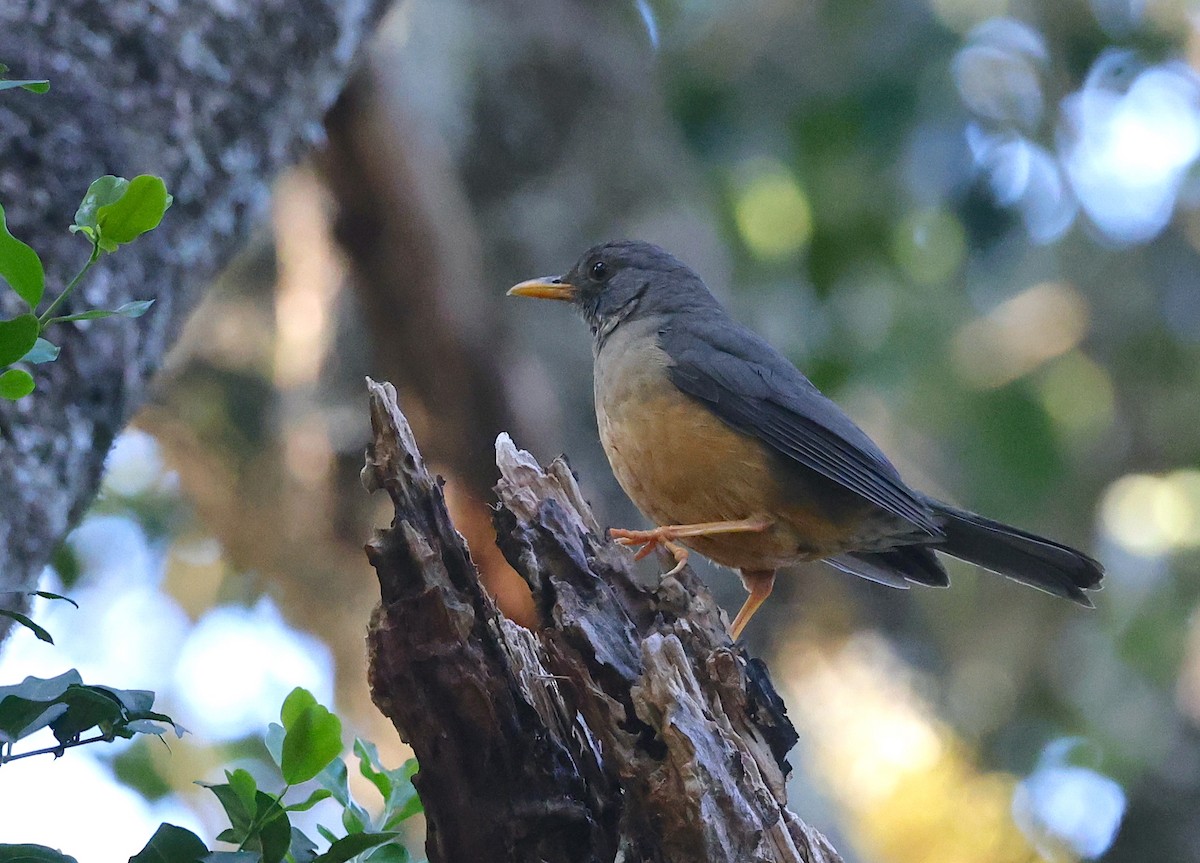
point(904, 247)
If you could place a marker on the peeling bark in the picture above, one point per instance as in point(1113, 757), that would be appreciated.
point(628, 727)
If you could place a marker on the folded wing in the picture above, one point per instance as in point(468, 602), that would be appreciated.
point(754, 389)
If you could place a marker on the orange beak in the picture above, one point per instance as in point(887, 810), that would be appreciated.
point(546, 288)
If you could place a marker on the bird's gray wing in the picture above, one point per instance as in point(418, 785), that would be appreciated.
point(753, 388)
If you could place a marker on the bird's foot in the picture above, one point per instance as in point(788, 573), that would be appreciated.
point(648, 540)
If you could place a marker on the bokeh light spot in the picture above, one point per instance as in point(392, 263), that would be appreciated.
point(134, 463)
point(1128, 144)
point(998, 72)
point(1028, 177)
point(1077, 394)
point(114, 549)
point(1068, 811)
point(1153, 515)
point(929, 246)
point(1020, 334)
point(907, 780)
point(962, 15)
point(772, 213)
point(76, 806)
point(238, 665)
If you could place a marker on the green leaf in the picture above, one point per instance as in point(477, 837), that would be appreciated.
point(296, 702)
point(134, 309)
point(33, 854)
point(32, 704)
point(45, 594)
point(393, 852)
point(32, 86)
point(263, 826)
point(334, 777)
point(236, 811)
point(274, 834)
point(66, 563)
point(355, 819)
point(89, 315)
point(46, 689)
point(69, 707)
point(87, 707)
point(17, 337)
point(16, 384)
point(151, 726)
point(276, 838)
point(20, 266)
point(232, 857)
point(139, 209)
point(41, 352)
point(312, 800)
point(102, 192)
point(313, 739)
point(171, 844)
point(403, 810)
point(137, 701)
point(395, 786)
point(303, 849)
point(243, 786)
point(41, 633)
point(273, 740)
point(327, 834)
point(351, 846)
point(20, 718)
point(370, 767)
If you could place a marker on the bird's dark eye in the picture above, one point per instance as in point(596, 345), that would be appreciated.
point(599, 271)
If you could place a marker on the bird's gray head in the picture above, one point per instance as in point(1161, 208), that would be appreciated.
point(623, 280)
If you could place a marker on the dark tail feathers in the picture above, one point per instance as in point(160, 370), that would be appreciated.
point(1023, 557)
point(895, 567)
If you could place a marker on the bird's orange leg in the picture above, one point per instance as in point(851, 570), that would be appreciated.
point(664, 536)
point(759, 582)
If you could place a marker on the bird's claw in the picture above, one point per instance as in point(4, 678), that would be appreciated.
point(649, 540)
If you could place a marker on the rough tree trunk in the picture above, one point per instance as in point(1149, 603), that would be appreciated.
point(628, 727)
point(216, 98)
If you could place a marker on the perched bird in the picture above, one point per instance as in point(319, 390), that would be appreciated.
point(731, 451)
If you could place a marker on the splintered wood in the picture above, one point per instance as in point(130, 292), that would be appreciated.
point(627, 727)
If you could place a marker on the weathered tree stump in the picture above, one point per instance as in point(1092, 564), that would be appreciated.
point(628, 727)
